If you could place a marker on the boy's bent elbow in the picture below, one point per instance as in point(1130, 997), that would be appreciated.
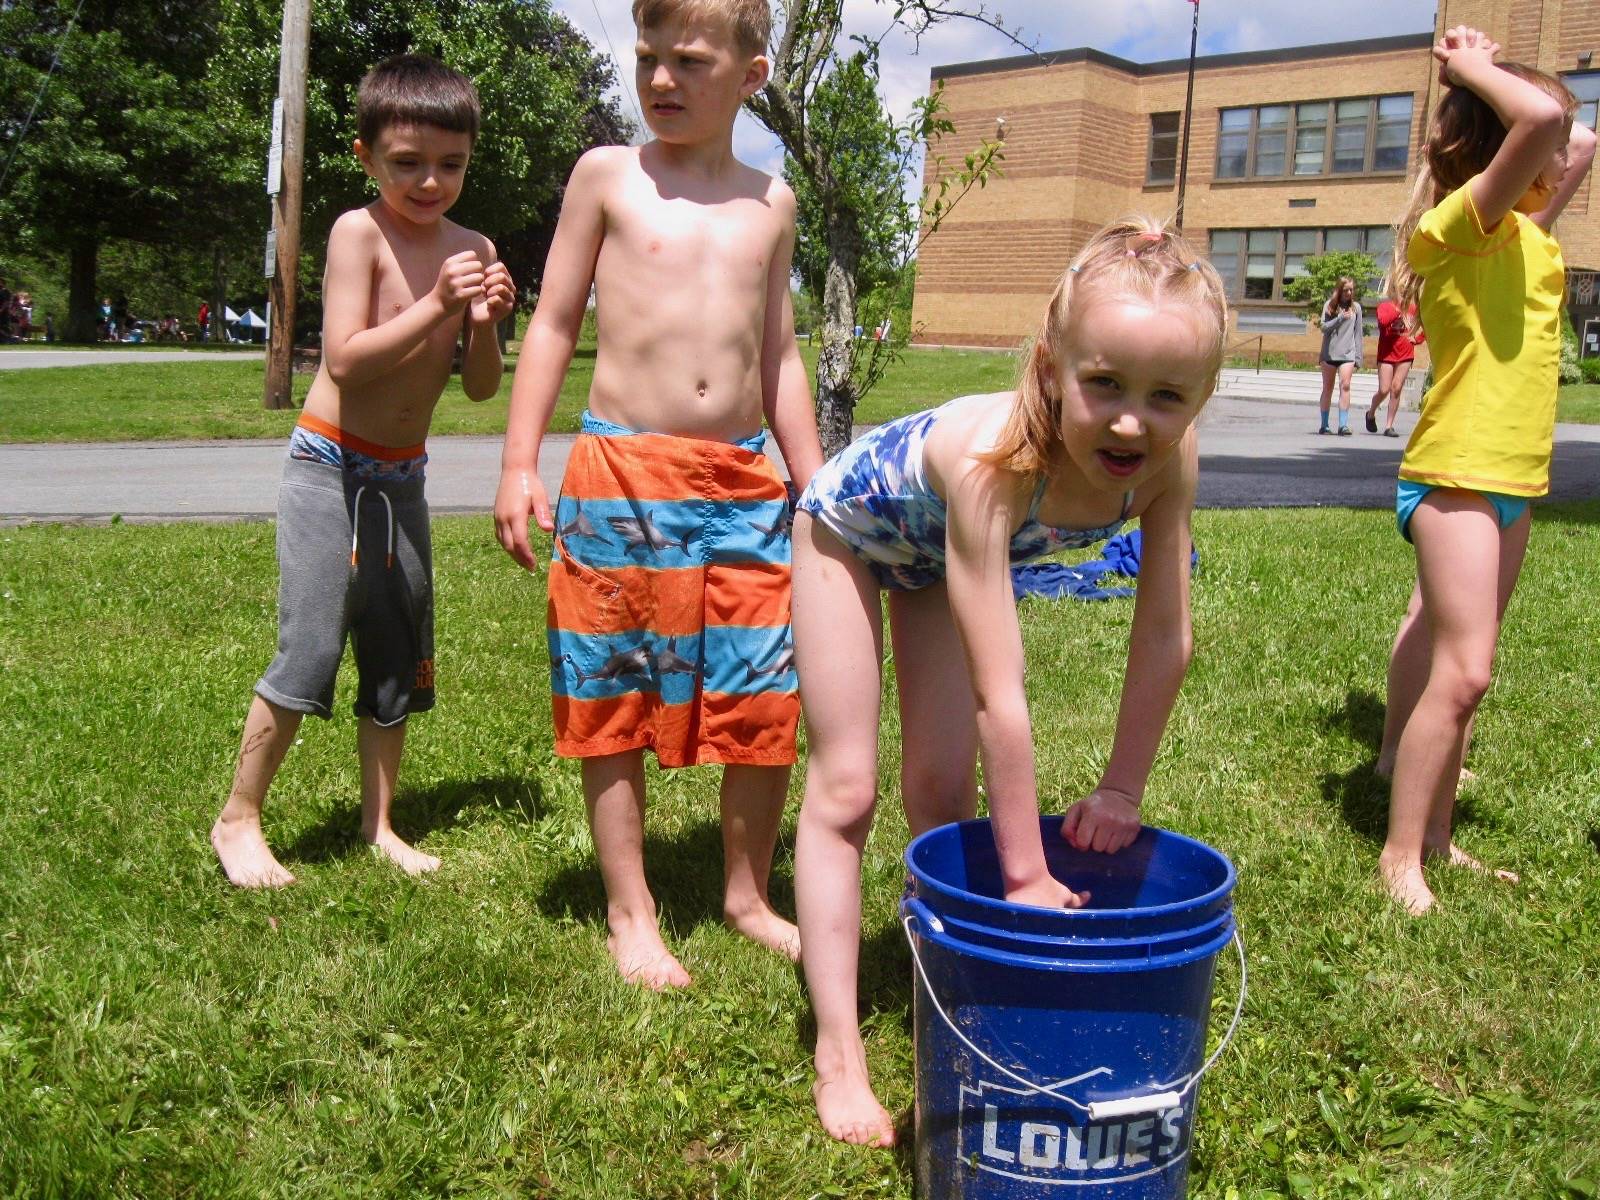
point(340, 370)
point(479, 390)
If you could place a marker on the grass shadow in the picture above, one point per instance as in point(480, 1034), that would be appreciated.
point(1361, 794)
point(418, 813)
point(684, 870)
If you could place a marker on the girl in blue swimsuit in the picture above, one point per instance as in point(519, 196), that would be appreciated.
point(935, 508)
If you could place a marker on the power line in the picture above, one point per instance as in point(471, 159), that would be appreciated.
point(55, 58)
point(605, 34)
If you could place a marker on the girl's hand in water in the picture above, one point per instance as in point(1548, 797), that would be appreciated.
point(1048, 892)
point(1104, 820)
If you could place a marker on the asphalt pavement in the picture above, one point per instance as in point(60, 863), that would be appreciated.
point(1253, 454)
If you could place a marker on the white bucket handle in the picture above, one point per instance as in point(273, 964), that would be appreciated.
point(1095, 1110)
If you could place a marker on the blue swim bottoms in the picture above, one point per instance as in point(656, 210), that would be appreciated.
point(1408, 494)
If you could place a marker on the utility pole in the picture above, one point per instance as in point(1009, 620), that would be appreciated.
point(1188, 111)
point(285, 162)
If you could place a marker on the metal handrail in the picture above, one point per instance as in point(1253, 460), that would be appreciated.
point(1258, 340)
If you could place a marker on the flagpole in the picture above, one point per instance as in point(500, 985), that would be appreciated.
point(1188, 109)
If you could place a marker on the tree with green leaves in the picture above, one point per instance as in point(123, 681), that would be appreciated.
point(1322, 275)
point(155, 117)
point(542, 87)
point(847, 159)
point(107, 131)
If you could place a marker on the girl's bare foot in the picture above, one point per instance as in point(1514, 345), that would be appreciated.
point(761, 924)
point(245, 857)
point(848, 1110)
point(1404, 882)
point(404, 855)
point(643, 958)
point(1460, 858)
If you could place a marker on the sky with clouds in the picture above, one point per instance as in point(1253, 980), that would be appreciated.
point(1140, 30)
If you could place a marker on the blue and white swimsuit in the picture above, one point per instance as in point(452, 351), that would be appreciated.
point(874, 496)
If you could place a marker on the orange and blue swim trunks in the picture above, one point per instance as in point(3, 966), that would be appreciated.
point(669, 601)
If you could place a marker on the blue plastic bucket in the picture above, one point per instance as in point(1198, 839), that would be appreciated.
point(1059, 1053)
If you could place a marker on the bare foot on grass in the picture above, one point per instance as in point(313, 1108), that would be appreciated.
point(245, 857)
point(1460, 858)
point(643, 958)
point(1405, 885)
point(848, 1110)
point(760, 924)
point(404, 855)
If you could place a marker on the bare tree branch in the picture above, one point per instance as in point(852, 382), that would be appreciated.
point(848, 161)
point(918, 16)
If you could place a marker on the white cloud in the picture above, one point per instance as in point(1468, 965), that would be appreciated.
point(1140, 30)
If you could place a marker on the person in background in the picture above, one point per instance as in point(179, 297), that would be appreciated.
point(1397, 350)
point(1341, 351)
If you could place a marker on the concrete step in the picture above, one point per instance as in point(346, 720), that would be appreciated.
point(1305, 387)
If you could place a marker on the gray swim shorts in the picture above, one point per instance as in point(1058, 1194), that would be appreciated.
point(353, 557)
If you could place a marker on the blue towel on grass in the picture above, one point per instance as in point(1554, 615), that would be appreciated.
point(1083, 581)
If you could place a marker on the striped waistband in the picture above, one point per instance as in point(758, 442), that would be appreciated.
point(595, 426)
point(350, 441)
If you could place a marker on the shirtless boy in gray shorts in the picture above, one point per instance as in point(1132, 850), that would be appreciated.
point(353, 549)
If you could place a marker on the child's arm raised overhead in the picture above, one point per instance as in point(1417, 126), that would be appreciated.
point(546, 352)
point(985, 505)
point(1535, 122)
point(357, 353)
point(481, 365)
point(1580, 157)
point(785, 391)
point(1158, 657)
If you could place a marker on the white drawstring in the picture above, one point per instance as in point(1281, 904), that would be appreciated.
point(355, 526)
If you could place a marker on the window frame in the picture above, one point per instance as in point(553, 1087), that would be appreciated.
point(1150, 158)
point(1588, 106)
point(1329, 125)
point(1235, 277)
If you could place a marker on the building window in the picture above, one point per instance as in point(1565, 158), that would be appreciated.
point(1310, 138)
point(1259, 264)
point(1585, 86)
point(1233, 142)
point(1322, 137)
point(1394, 133)
point(1161, 164)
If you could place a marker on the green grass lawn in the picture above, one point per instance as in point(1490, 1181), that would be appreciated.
point(181, 400)
point(360, 1034)
point(176, 401)
point(1579, 402)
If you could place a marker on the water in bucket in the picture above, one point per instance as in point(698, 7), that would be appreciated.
point(1059, 1053)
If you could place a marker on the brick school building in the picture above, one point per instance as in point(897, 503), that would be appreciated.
point(1292, 153)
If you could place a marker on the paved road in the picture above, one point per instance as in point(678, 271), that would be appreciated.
point(21, 360)
point(1253, 454)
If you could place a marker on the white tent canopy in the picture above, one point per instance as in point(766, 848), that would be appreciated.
point(250, 320)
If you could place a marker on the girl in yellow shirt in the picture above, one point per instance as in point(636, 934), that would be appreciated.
point(1502, 160)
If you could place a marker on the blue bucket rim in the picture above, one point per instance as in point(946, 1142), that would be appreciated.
point(916, 910)
point(1050, 824)
point(962, 930)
